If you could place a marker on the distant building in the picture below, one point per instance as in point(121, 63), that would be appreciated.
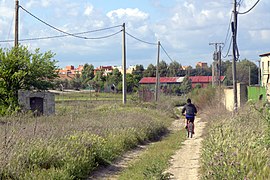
point(186, 67)
point(129, 70)
point(70, 72)
point(105, 69)
point(202, 65)
point(203, 81)
point(166, 83)
point(265, 69)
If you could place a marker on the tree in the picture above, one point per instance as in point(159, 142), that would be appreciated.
point(163, 69)
point(174, 69)
point(87, 73)
point(131, 83)
point(99, 80)
point(138, 72)
point(186, 85)
point(242, 72)
point(21, 69)
point(77, 83)
point(150, 71)
point(242, 69)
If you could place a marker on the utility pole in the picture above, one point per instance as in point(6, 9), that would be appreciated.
point(249, 75)
point(219, 65)
point(216, 66)
point(259, 72)
point(234, 33)
point(157, 73)
point(16, 40)
point(124, 88)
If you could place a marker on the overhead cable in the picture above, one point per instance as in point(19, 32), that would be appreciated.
point(166, 52)
point(51, 25)
point(250, 8)
point(150, 43)
point(229, 48)
point(60, 36)
point(72, 34)
point(227, 34)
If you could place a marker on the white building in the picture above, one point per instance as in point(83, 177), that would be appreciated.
point(265, 69)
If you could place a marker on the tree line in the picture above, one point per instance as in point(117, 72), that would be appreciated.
point(22, 69)
point(113, 80)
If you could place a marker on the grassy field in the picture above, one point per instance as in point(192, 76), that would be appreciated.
point(81, 136)
point(237, 147)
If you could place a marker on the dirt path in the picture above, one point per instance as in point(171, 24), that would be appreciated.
point(185, 162)
point(111, 172)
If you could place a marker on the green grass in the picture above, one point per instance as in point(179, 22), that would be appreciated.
point(155, 160)
point(89, 96)
point(237, 147)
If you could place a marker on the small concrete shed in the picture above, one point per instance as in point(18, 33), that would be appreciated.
point(41, 103)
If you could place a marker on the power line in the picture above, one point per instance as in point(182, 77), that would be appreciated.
point(60, 36)
point(227, 34)
point(51, 25)
point(250, 8)
point(74, 34)
point(150, 43)
point(229, 48)
point(166, 52)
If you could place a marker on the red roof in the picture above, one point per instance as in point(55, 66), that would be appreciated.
point(203, 79)
point(152, 80)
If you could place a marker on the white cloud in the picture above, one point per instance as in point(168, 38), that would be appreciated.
point(260, 35)
point(46, 3)
point(6, 12)
point(127, 14)
point(184, 27)
point(88, 10)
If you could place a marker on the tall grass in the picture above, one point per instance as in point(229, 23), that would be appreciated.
point(80, 137)
point(237, 147)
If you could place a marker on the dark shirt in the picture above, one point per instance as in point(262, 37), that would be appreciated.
point(190, 109)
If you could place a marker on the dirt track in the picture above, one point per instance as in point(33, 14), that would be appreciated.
point(185, 163)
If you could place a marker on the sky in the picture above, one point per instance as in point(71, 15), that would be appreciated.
point(184, 27)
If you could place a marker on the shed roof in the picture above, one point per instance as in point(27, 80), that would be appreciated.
point(203, 79)
point(152, 80)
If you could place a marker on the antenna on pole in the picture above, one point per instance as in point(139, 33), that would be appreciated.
point(216, 66)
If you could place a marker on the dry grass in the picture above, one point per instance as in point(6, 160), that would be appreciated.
point(237, 147)
point(82, 135)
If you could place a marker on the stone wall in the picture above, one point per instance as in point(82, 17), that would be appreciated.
point(47, 97)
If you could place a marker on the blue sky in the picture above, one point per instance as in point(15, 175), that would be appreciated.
point(184, 27)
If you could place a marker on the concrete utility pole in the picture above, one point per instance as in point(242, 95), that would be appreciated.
point(249, 76)
point(259, 72)
point(124, 88)
point(157, 73)
point(16, 41)
point(234, 48)
point(216, 66)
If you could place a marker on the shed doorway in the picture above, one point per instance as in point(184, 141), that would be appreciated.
point(36, 105)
